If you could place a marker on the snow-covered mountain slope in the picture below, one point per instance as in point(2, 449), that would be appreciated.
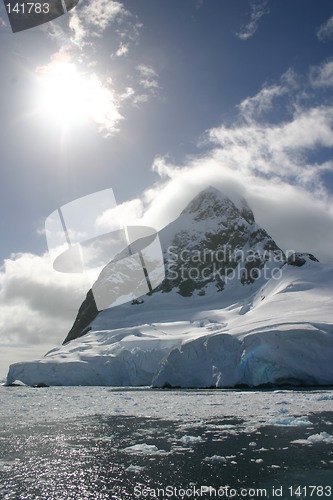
point(213, 245)
point(281, 333)
point(232, 310)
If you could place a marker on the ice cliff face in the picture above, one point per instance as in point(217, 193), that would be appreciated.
point(211, 243)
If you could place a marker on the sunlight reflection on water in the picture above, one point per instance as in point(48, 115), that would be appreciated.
point(105, 456)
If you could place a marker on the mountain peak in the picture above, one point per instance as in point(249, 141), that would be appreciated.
point(207, 197)
point(211, 203)
point(215, 243)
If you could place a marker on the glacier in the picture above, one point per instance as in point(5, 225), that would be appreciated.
point(281, 334)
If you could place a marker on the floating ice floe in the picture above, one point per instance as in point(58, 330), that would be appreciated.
point(144, 449)
point(323, 437)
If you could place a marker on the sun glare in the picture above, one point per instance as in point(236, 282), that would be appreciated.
point(69, 97)
point(64, 94)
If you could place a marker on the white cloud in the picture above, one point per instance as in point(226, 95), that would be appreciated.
point(293, 216)
point(122, 50)
point(37, 306)
point(37, 303)
point(94, 17)
point(100, 13)
point(147, 76)
point(326, 30)
point(322, 76)
point(127, 213)
point(258, 9)
point(148, 81)
point(105, 105)
point(88, 21)
point(278, 128)
point(263, 101)
point(146, 71)
point(277, 150)
point(140, 99)
point(77, 29)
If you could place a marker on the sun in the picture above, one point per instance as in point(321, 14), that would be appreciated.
point(69, 97)
point(64, 95)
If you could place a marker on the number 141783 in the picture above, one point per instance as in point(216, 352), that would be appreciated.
point(28, 8)
point(310, 491)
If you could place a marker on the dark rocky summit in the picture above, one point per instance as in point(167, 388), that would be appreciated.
point(299, 259)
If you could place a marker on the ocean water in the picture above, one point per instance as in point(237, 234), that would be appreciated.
point(116, 443)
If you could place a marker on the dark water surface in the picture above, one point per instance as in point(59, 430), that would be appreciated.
point(110, 457)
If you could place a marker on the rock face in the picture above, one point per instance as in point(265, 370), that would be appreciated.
point(87, 313)
point(299, 259)
point(209, 240)
point(212, 242)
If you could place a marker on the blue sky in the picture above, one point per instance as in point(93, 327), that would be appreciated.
point(157, 99)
